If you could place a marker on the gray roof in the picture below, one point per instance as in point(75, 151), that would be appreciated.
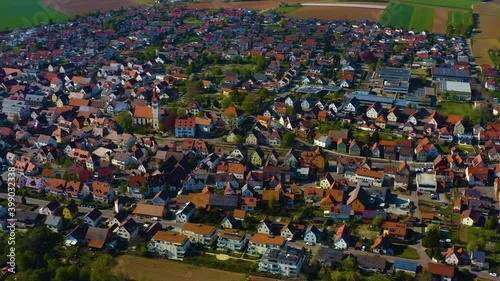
point(53, 220)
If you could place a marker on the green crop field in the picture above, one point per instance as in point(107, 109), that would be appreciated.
point(459, 4)
point(397, 15)
point(414, 17)
point(455, 18)
point(27, 13)
point(422, 19)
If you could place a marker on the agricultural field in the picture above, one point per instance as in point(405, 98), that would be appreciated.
point(459, 4)
point(487, 32)
point(422, 19)
point(74, 7)
point(397, 15)
point(456, 18)
point(440, 18)
point(328, 13)
point(158, 269)
point(27, 13)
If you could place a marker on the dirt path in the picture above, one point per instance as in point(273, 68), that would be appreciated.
point(439, 25)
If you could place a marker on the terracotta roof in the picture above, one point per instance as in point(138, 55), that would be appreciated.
point(395, 228)
point(203, 121)
point(143, 112)
point(441, 269)
point(198, 228)
point(370, 173)
point(427, 216)
point(266, 239)
point(185, 122)
point(149, 210)
point(170, 237)
point(240, 214)
point(232, 112)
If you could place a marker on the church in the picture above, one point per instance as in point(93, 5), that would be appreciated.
point(148, 115)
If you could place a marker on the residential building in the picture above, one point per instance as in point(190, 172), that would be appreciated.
point(201, 234)
point(232, 240)
point(169, 244)
point(281, 263)
point(260, 243)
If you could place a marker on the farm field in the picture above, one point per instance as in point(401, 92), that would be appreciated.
point(422, 19)
point(74, 7)
point(455, 18)
point(440, 18)
point(327, 13)
point(460, 4)
point(159, 269)
point(487, 31)
point(27, 13)
point(397, 15)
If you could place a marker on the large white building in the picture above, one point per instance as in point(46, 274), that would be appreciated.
point(171, 245)
point(426, 182)
point(260, 243)
point(15, 109)
point(232, 240)
point(281, 263)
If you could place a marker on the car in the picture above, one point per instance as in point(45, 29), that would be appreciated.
point(494, 274)
point(419, 193)
point(289, 239)
point(310, 243)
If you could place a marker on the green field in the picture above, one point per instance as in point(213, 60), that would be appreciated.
point(459, 108)
point(455, 18)
point(27, 13)
point(397, 15)
point(283, 10)
point(422, 19)
point(459, 4)
point(413, 17)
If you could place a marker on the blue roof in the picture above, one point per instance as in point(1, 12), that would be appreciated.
point(392, 73)
point(405, 265)
point(478, 256)
point(469, 192)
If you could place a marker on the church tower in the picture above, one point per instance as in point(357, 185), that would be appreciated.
point(156, 110)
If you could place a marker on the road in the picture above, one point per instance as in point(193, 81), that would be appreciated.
point(365, 6)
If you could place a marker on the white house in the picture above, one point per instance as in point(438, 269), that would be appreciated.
point(94, 218)
point(341, 240)
point(171, 245)
point(128, 230)
point(53, 223)
point(185, 212)
point(323, 141)
point(312, 235)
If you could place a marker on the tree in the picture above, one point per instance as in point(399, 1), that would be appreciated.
point(425, 276)
point(472, 245)
point(249, 104)
point(377, 221)
point(466, 122)
point(270, 202)
point(290, 111)
point(125, 121)
point(375, 137)
point(143, 189)
point(99, 270)
point(349, 263)
point(123, 187)
point(403, 276)
point(287, 140)
point(491, 223)
point(431, 237)
point(193, 89)
point(490, 247)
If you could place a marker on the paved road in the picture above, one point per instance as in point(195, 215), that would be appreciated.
point(366, 6)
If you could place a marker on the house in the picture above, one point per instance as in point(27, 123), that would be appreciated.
point(169, 244)
point(288, 231)
point(200, 234)
point(323, 141)
point(374, 110)
point(185, 127)
point(456, 256)
point(102, 191)
point(161, 198)
point(395, 229)
point(281, 263)
point(405, 266)
point(341, 146)
point(53, 223)
point(99, 238)
point(265, 226)
point(442, 271)
point(128, 230)
point(233, 117)
point(148, 210)
point(338, 212)
point(383, 245)
point(354, 148)
point(229, 222)
point(312, 235)
point(329, 257)
point(426, 182)
point(342, 237)
point(477, 176)
point(260, 243)
point(371, 263)
point(185, 212)
point(27, 219)
point(70, 212)
point(93, 218)
point(52, 208)
point(358, 200)
point(369, 177)
point(393, 115)
point(478, 259)
point(470, 217)
point(232, 240)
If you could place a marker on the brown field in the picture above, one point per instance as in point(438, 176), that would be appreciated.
point(163, 269)
point(254, 5)
point(330, 13)
point(73, 7)
point(481, 47)
point(439, 24)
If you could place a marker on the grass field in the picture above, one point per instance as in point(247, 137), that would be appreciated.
point(460, 4)
point(455, 18)
point(330, 13)
point(27, 13)
point(397, 15)
point(422, 19)
point(459, 108)
point(283, 10)
point(163, 269)
point(405, 252)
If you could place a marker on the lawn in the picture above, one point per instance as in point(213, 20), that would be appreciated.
point(192, 20)
point(397, 15)
point(495, 55)
point(285, 9)
point(466, 148)
point(459, 108)
point(273, 27)
point(495, 94)
point(27, 13)
point(459, 4)
point(422, 19)
point(405, 252)
point(361, 136)
point(158, 269)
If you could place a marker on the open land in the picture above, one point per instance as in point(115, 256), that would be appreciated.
point(158, 269)
point(455, 108)
point(487, 32)
point(74, 7)
point(461, 4)
point(440, 19)
point(422, 19)
point(27, 13)
point(325, 13)
point(397, 15)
